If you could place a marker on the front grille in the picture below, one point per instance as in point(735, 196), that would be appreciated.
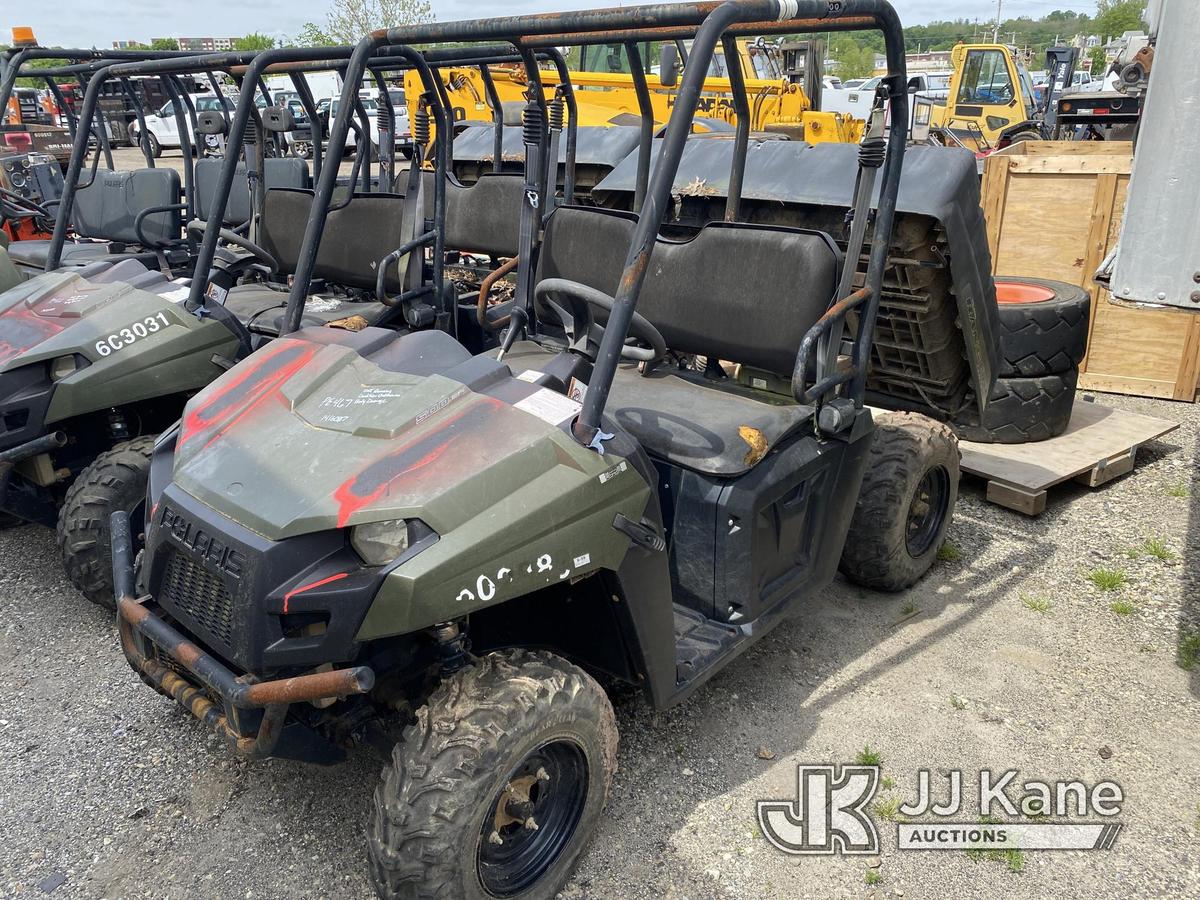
point(198, 596)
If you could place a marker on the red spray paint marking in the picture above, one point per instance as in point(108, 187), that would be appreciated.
point(308, 587)
point(227, 394)
point(372, 481)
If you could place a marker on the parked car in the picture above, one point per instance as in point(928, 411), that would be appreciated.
point(163, 129)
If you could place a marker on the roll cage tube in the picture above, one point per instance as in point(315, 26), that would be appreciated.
point(705, 23)
point(15, 57)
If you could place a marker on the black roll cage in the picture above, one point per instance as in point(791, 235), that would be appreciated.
point(706, 23)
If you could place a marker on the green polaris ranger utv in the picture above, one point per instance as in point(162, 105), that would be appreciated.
point(99, 355)
point(382, 538)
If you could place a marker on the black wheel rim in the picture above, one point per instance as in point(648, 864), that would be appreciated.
point(550, 787)
point(927, 511)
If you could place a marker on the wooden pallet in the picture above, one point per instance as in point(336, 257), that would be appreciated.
point(1099, 444)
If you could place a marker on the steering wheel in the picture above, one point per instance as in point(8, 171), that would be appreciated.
point(232, 237)
point(583, 301)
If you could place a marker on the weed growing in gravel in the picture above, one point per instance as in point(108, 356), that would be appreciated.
point(869, 757)
point(887, 783)
point(1108, 579)
point(1037, 604)
point(949, 552)
point(1188, 654)
point(888, 809)
point(1158, 548)
point(958, 702)
point(908, 608)
point(872, 876)
point(1179, 489)
point(1122, 607)
point(1014, 859)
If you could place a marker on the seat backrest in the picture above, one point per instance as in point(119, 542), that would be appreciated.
point(743, 293)
point(285, 172)
point(108, 206)
point(356, 237)
point(484, 217)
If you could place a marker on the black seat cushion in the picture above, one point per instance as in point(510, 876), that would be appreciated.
point(484, 217)
point(743, 293)
point(32, 254)
point(260, 308)
point(707, 429)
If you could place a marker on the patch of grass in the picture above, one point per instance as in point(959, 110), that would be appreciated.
point(868, 756)
point(1037, 604)
point(1158, 548)
point(1108, 579)
point(1122, 607)
point(873, 876)
point(908, 608)
point(1014, 859)
point(888, 809)
point(958, 702)
point(949, 552)
point(1179, 489)
point(888, 782)
point(1187, 656)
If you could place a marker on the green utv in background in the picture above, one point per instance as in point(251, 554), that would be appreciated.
point(97, 359)
point(382, 538)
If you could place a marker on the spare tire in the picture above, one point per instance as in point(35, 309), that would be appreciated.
point(1043, 326)
point(1020, 410)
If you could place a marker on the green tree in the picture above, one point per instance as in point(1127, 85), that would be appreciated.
point(349, 20)
point(1099, 63)
point(1115, 17)
point(254, 41)
point(312, 35)
point(164, 44)
point(854, 60)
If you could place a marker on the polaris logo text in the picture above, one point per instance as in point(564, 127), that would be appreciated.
point(209, 548)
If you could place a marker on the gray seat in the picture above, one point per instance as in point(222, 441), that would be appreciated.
point(287, 172)
point(105, 215)
point(742, 293)
point(357, 236)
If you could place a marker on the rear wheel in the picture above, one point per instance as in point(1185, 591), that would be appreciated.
point(115, 481)
point(496, 789)
point(905, 503)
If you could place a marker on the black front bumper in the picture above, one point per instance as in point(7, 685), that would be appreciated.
point(251, 714)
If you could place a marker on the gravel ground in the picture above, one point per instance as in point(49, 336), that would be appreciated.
point(107, 790)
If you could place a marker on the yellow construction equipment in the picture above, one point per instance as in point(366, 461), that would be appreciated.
point(605, 94)
point(991, 102)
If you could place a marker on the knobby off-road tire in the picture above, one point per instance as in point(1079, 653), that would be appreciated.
point(1043, 326)
point(437, 805)
point(1021, 410)
point(115, 480)
point(905, 503)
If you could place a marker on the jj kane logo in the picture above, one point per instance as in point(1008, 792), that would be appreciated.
point(831, 813)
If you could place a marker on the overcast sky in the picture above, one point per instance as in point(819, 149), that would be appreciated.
point(100, 22)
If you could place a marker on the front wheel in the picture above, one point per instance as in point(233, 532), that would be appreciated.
point(497, 787)
point(116, 480)
point(154, 145)
point(905, 503)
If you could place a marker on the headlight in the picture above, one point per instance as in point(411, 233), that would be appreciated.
point(378, 543)
point(62, 367)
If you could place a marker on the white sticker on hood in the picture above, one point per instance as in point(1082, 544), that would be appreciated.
point(317, 304)
point(549, 406)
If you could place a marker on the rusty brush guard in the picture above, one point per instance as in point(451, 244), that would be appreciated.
point(238, 694)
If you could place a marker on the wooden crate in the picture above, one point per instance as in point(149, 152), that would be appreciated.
point(1053, 210)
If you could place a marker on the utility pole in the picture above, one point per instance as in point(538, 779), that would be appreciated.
point(996, 27)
